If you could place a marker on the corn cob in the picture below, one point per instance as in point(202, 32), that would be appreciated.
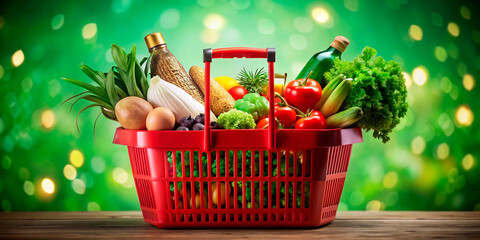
point(221, 100)
point(344, 118)
point(335, 100)
point(168, 68)
point(327, 91)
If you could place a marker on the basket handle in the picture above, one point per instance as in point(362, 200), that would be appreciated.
point(239, 52)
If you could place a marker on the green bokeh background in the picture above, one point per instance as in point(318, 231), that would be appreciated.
point(431, 163)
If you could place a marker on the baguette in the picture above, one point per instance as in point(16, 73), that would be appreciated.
point(221, 100)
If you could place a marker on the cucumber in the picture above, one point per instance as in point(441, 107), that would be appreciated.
point(335, 100)
point(327, 91)
point(345, 118)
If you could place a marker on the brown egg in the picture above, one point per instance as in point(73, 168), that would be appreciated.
point(131, 112)
point(160, 118)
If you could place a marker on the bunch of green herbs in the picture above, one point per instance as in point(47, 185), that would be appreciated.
point(125, 79)
point(378, 88)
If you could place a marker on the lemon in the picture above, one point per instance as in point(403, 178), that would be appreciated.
point(226, 82)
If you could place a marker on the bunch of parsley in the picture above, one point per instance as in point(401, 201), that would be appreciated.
point(378, 88)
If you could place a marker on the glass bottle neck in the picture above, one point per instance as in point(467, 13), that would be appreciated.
point(334, 51)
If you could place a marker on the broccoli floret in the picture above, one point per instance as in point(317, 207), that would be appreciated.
point(236, 119)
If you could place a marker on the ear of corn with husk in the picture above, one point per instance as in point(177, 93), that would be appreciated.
point(221, 100)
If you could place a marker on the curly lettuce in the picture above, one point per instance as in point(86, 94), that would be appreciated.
point(378, 88)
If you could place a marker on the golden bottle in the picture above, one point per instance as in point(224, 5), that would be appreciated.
point(168, 68)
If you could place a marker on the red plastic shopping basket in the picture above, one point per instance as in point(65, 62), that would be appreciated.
point(239, 178)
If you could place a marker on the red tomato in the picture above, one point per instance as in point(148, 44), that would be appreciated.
point(311, 122)
point(316, 113)
point(238, 92)
point(262, 124)
point(286, 116)
point(303, 94)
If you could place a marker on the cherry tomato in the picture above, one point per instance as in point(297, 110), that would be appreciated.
point(286, 116)
point(311, 122)
point(262, 124)
point(238, 92)
point(303, 93)
point(316, 113)
point(219, 195)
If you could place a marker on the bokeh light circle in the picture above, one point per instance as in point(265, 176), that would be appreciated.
point(70, 172)
point(79, 186)
point(420, 75)
point(57, 21)
point(29, 188)
point(89, 31)
point(441, 54)
point(390, 179)
point(418, 145)
point(415, 32)
point(76, 158)
point(48, 119)
point(453, 29)
point(48, 186)
point(120, 175)
point(17, 58)
point(443, 150)
point(465, 12)
point(320, 15)
point(214, 21)
point(468, 161)
point(464, 115)
point(468, 82)
point(93, 206)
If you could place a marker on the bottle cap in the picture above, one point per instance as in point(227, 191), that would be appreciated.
point(340, 43)
point(154, 39)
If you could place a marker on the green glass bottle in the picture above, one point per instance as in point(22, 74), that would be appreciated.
point(321, 62)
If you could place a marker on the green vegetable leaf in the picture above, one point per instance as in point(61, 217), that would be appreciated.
point(100, 92)
point(119, 56)
point(378, 88)
point(93, 98)
point(83, 109)
point(143, 60)
point(141, 79)
point(147, 66)
point(110, 87)
point(94, 75)
point(130, 81)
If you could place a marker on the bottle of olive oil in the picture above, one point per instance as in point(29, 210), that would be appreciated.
point(321, 62)
point(168, 68)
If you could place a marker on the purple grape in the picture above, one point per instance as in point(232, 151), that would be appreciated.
point(182, 128)
point(200, 118)
point(198, 126)
point(214, 125)
point(187, 122)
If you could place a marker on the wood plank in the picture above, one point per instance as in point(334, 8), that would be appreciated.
point(98, 225)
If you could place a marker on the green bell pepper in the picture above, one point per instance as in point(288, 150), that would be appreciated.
point(253, 104)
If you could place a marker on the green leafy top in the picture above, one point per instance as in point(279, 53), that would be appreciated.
point(253, 81)
point(378, 88)
point(126, 79)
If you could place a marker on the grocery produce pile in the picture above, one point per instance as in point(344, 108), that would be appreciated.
point(367, 92)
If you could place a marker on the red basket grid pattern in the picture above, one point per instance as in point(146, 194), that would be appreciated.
point(324, 169)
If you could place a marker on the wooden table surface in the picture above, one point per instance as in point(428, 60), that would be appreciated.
point(348, 225)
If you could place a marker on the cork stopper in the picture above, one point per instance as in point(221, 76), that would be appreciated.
point(340, 43)
point(154, 39)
